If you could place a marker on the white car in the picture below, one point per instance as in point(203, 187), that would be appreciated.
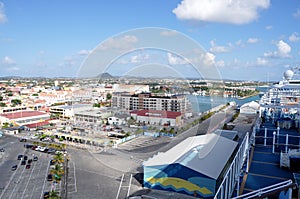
point(40, 148)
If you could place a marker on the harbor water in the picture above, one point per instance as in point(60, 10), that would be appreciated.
point(204, 103)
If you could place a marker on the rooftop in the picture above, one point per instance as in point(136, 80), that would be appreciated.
point(157, 113)
point(206, 154)
point(22, 114)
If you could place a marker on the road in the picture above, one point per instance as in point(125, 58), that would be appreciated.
point(115, 173)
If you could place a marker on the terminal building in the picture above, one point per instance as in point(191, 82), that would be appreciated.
point(205, 166)
point(196, 166)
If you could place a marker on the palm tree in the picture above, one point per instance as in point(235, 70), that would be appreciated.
point(59, 158)
point(54, 195)
point(57, 172)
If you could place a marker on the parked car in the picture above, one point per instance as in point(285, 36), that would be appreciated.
point(2, 150)
point(46, 194)
point(23, 162)
point(52, 162)
point(35, 158)
point(49, 177)
point(20, 157)
point(42, 148)
point(28, 146)
point(28, 166)
point(13, 168)
point(52, 151)
point(23, 140)
point(29, 161)
point(25, 157)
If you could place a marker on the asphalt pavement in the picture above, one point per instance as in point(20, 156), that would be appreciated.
point(25, 183)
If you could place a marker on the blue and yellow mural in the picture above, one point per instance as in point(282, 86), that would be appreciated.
point(178, 178)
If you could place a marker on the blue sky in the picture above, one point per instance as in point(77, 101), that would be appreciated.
point(245, 40)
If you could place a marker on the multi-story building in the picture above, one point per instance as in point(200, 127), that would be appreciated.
point(146, 101)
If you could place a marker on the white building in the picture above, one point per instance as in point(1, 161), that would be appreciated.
point(68, 111)
point(156, 117)
point(115, 121)
point(250, 108)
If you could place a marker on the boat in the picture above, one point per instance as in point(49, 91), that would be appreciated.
point(275, 156)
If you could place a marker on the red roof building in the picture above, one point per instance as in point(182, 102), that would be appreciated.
point(156, 117)
point(24, 118)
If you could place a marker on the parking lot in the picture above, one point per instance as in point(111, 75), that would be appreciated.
point(24, 182)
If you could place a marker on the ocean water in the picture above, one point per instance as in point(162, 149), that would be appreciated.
point(204, 103)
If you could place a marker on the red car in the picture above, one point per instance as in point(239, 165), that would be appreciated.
point(28, 166)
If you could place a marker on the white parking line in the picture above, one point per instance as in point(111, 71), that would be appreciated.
point(120, 186)
point(28, 181)
point(17, 183)
point(9, 182)
point(75, 177)
point(129, 185)
point(45, 180)
point(75, 181)
point(34, 186)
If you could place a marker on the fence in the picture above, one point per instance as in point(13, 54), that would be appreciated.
point(280, 141)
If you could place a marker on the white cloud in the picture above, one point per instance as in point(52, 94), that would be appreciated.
point(294, 37)
point(297, 14)
point(269, 27)
point(209, 59)
point(220, 63)
point(262, 61)
point(8, 61)
point(139, 58)
point(252, 40)
point(168, 33)
point(83, 52)
point(119, 43)
point(283, 48)
point(175, 60)
point(283, 51)
point(233, 11)
point(3, 17)
point(218, 49)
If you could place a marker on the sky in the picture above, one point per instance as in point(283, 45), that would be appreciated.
point(253, 40)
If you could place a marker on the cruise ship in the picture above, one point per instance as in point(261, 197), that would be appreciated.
point(275, 156)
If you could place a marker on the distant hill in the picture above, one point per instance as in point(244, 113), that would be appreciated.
point(105, 76)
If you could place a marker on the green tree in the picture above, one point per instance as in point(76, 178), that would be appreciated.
point(2, 104)
point(54, 195)
point(5, 125)
point(57, 172)
point(108, 96)
point(98, 105)
point(59, 158)
point(16, 102)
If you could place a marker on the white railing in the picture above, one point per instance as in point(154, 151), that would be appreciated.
point(260, 193)
point(231, 178)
